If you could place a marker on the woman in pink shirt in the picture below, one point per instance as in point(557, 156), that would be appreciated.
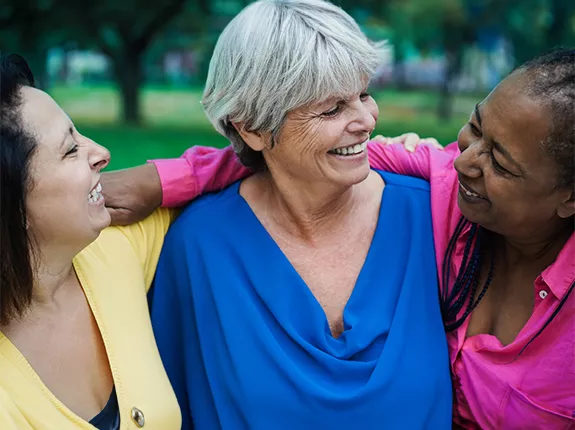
point(503, 215)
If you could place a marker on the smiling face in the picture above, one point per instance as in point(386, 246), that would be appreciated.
point(323, 142)
point(63, 205)
point(508, 181)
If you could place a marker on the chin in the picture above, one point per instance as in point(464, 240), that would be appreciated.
point(356, 176)
point(476, 216)
point(102, 222)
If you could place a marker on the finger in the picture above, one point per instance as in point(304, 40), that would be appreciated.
point(412, 141)
point(383, 140)
point(397, 139)
point(402, 138)
point(433, 142)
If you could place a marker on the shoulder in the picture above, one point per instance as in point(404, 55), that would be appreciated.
point(10, 415)
point(210, 207)
point(132, 246)
point(404, 181)
point(123, 237)
point(206, 215)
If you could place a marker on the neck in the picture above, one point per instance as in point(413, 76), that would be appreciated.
point(53, 271)
point(536, 250)
point(308, 210)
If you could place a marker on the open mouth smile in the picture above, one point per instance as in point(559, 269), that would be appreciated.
point(469, 194)
point(94, 196)
point(351, 150)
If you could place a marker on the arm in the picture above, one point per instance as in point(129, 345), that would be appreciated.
point(397, 159)
point(146, 239)
point(133, 194)
point(199, 170)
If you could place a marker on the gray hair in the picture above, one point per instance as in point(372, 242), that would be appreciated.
point(279, 55)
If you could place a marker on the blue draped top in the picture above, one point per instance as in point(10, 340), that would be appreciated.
point(247, 346)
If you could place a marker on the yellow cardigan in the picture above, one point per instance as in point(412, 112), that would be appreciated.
point(115, 272)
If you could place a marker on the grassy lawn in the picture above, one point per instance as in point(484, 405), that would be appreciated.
point(175, 120)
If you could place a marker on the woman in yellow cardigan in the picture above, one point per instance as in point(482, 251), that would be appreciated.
point(77, 349)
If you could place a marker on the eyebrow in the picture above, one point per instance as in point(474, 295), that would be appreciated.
point(477, 115)
point(498, 146)
point(70, 132)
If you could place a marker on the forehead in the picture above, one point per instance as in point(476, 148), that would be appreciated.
point(43, 117)
point(515, 119)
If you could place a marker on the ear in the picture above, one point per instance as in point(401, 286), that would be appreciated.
point(567, 206)
point(253, 139)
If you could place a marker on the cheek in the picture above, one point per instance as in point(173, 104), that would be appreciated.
point(464, 138)
point(502, 194)
point(308, 139)
point(63, 192)
point(373, 109)
point(513, 202)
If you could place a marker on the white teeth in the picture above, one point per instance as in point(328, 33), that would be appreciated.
point(351, 150)
point(469, 193)
point(95, 195)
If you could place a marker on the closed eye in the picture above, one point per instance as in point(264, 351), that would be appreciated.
point(333, 112)
point(72, 150)
point(476, 132)
point(498, 166)
point(364, 96)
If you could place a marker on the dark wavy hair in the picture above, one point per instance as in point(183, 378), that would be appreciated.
point(17, 146)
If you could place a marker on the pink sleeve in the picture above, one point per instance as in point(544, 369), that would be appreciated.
point(199, 170)
point(395, 158)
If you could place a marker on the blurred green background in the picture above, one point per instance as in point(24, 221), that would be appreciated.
point(130, 73)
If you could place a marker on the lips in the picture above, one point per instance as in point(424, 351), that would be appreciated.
point(470, 192)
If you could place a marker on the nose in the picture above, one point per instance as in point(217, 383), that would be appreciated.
point(99, 157)
point(365, 116)
point(468, 163)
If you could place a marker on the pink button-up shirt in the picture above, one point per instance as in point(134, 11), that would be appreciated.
point(495, 387)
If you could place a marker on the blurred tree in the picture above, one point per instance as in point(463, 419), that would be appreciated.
point(453, 26)
point(431, 25)
point(123, 30)
point(24, 30)
point(536, 26)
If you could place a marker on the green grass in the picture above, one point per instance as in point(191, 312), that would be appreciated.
point(174, 120)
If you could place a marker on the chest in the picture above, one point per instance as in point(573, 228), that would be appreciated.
point(66, 351)
point(495, 387)
point(507, 304)
point(331, 267)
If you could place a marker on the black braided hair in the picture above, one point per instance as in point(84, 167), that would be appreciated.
point(453, 300)
point(463, 292)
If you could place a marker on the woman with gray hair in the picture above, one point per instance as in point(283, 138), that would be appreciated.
point(266, 307)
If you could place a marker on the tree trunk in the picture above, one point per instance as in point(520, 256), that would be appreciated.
point(454, 60)
point(129, 75)
point(399, 77)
